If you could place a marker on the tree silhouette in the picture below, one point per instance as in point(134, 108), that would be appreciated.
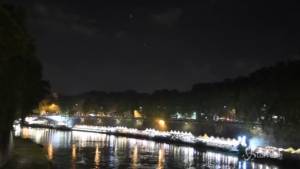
point(21, 84)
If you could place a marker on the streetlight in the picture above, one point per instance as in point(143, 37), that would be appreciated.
point(161, 124)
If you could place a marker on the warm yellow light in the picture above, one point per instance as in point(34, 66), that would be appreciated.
point(97, 156)
point(205, 136)
point(161, 158)
point(137, 114)
point(161, 124)
point(25, 133)
point(73, 152)
point(50, 152)
point(45, 107)
point(53, 108)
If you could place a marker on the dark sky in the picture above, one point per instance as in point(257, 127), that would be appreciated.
point(143, 45)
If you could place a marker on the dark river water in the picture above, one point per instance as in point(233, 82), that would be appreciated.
point(82, 150)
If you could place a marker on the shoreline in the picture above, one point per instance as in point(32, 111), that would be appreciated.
point(159, 140)
point(27, 154)
point(286, 158)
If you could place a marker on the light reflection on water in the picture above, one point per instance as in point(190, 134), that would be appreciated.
point(161, 157)
point(81, 150)
point(97, 157)
point(50, 151)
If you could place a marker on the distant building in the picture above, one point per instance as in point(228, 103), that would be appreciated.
point(185, 116)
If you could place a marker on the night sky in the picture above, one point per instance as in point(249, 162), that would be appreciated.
point(143, 45)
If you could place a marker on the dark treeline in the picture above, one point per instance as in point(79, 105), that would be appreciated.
point(21, 84)
point(270, 91)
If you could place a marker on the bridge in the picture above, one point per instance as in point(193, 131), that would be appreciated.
point(53, 121)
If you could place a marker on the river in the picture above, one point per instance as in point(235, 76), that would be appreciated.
point(83, 150)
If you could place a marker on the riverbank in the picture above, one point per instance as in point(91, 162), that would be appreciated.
point(227, 145)
point(27, 155)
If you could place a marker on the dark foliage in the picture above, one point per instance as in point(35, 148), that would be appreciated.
point(266, 92)
point(21, 84)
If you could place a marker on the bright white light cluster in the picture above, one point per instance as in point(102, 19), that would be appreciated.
point(155, 133)
point(228, 144)
point(50, 121)
point(186, 137)
point(30, 120)
point(176, 136)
